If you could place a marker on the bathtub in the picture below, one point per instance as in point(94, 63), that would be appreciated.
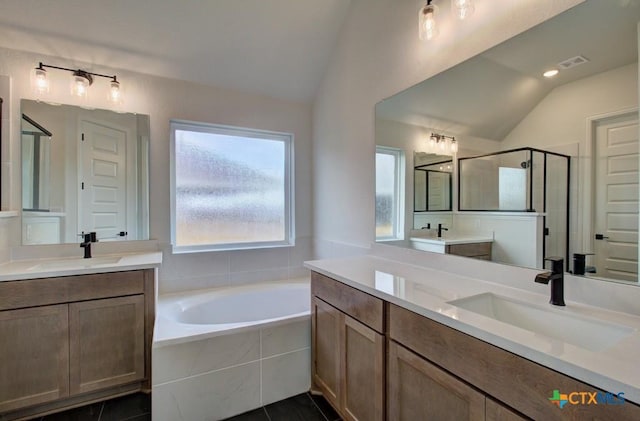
point(221, 352)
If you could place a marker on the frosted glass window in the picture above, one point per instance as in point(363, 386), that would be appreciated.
point(231, 188)
point(389, 197)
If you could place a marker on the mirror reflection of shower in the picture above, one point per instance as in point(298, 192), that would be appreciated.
point(36, 151)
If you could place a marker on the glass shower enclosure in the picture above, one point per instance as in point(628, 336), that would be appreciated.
point(521, 180)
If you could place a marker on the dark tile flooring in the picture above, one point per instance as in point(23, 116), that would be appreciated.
point(137, 407)
point(303, 407)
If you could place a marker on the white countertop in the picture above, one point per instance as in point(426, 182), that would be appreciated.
point(427, 292)
point(46, 268)
point(448, 240)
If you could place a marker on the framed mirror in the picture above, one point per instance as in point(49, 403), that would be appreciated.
point(500, 101)
point(83, 170)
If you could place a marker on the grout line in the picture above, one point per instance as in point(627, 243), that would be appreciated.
point(264, 408)
point(317, 407)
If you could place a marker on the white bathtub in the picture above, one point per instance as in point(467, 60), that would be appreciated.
point(218, 353)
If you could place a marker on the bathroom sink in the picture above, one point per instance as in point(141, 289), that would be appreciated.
point(77, 263)
point(592, 334)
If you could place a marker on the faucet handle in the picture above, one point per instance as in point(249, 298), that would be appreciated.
point(557, 264)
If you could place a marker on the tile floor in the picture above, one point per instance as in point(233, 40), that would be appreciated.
point(137, 407)
point(303, 407)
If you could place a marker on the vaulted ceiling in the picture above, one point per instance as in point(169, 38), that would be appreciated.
point(278, 48)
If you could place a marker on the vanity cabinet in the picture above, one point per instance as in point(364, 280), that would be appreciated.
point(475, 250)
point(432, 371)
point(75, 339)
point(511, 385)
point(348, 361)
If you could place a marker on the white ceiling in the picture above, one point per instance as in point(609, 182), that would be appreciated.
point(278, 48)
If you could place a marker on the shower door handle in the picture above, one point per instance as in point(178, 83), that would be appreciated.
point(601, 237)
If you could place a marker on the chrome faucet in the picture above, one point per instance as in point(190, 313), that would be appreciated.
point(440, 229)
point(556, 277)
point(88, 238)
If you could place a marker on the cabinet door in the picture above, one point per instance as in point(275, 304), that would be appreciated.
point(106, 342)
point(498, 412)
point(363, 368)
point(419, 390)
point(34, 356)
point(326, 339)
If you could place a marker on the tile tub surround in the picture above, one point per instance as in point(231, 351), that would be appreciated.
point(399, 278)
point(226, 375)
point(229, 369)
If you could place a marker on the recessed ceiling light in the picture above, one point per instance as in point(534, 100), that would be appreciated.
point(550, 73)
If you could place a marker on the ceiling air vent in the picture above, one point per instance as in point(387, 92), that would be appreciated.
point(572, 62)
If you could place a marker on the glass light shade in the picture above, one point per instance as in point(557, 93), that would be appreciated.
point(40, 81)
point(454, 147)
point(79, 85)
point(114, 95)
point(432, 143)
point(462, 8)
point(427, 26)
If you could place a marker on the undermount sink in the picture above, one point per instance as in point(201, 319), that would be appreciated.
point(77, 263)
point(591, 334)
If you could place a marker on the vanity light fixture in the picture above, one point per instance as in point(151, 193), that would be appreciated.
point(442, 144)
point(427, 25)
point(81, 80)
point(462, 8)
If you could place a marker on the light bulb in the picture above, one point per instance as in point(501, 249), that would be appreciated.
point(80, 82)
point(462, 8)
point(427, 27)
point(433, 140)
point(40, 81)
point(115, 95)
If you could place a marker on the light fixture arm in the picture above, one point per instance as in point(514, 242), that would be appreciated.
point(78, 72)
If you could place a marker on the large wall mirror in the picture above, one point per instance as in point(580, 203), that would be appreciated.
point(83, 170)
point(515, 129)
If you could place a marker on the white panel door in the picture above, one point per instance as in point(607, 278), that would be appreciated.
point(103, 180)
point(616, 198)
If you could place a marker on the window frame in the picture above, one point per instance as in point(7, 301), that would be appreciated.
point(289, 184)
point(398, 193)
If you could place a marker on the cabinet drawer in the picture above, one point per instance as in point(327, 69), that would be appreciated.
point(363, 307)
point(45, 291)
point(498, 373)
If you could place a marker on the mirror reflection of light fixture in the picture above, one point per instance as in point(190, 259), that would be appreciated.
point(427, 25)
point(442, 144)
point(81, 80)
point(462, 8)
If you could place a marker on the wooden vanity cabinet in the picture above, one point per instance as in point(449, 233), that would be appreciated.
point(348, 361)
point(433, 372)
point(510, 384)
point(480, 251)
point(71, 340)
